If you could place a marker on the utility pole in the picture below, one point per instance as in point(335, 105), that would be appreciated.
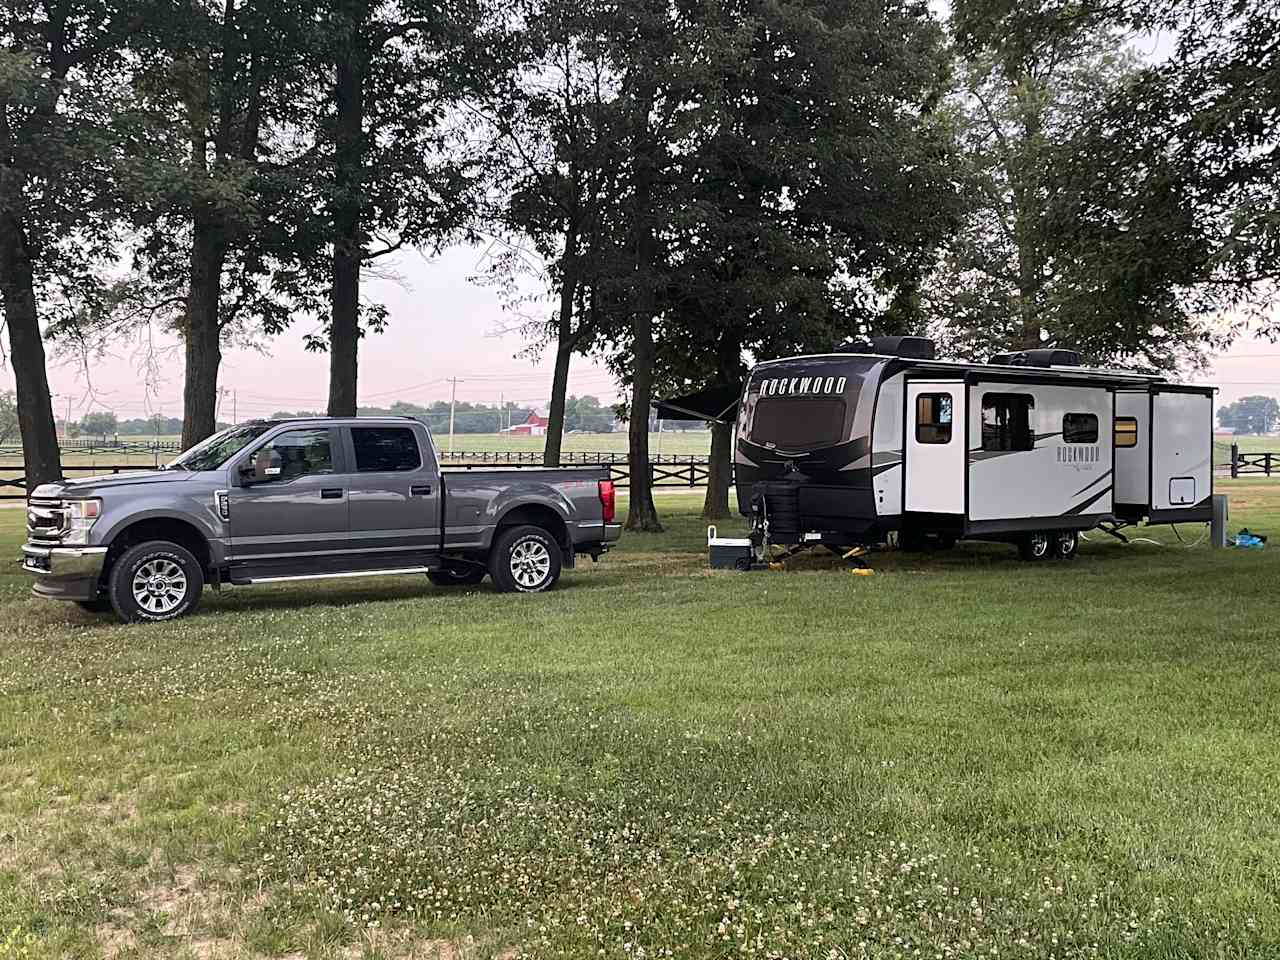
point(453, 402)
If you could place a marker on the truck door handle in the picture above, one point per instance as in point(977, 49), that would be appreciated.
point(420, 490)
point(331, 493)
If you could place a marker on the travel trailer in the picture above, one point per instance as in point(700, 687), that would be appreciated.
point(881, 438)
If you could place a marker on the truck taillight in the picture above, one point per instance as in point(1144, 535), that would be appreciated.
point(608, 500)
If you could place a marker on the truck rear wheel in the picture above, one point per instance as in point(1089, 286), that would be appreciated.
point(524, 560)
point(155, 580)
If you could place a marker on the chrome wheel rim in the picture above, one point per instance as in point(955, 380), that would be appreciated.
point(530, 562)
point(1039, 544)
point(159, 586)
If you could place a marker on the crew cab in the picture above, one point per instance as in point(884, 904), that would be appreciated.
point(282, 500)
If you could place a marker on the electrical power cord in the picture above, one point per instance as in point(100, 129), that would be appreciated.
point(1174, 527)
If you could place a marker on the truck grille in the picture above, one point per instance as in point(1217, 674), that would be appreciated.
point(46, 520)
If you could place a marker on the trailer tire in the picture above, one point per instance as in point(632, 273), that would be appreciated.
point(525, 559)
point(1035, 546)
point(461, 575)
point(155, 580)
point(1066, 544)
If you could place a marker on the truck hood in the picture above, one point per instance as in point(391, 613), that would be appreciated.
point(90, 486)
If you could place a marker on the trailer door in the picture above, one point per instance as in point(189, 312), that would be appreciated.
point(1181, 453)
point(935, 447)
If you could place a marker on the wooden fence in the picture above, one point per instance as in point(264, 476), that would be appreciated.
point(667, 471)
point(1247, 464)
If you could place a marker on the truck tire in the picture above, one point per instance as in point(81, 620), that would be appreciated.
point(524, 560)
point(461, 575)
point(155, 580)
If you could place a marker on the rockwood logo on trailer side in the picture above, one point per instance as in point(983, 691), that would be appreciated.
point(802, 386)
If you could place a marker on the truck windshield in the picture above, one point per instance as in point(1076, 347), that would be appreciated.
point(216, 450)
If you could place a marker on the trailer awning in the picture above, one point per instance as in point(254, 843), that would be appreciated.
point(716, 403)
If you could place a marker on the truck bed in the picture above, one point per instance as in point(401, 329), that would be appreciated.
point(476, 499)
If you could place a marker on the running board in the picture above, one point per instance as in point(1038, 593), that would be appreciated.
point(332, 576)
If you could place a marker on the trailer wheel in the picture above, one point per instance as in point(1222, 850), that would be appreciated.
point(1065, 544)
point(1036, 545)
point(525, 559)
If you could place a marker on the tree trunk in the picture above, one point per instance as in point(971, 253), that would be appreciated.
point(202, 331)
point(41, 463)
point(555, 417)
point(720, 467)
point(641, 512)
point(566, 341)
point(348, 241)
point(719, 472)
point(1028, 215)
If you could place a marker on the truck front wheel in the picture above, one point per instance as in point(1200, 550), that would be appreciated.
point(525, 560)
point(155, 580)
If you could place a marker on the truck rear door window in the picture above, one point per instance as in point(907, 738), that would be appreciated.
point(385, 449)
point(798, 423)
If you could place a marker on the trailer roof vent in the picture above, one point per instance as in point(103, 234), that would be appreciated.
point(1038, 358)
point(912, 348)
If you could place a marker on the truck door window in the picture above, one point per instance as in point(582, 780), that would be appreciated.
point(1006, 421)
point(933, 418)
point(385, 449)
point(294, 453)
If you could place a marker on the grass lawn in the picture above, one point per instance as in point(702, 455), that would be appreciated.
point(958, 755)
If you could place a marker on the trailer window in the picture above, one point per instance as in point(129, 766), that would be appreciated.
point(1080, 428)
point(798, 423)
point(1126, 431)
point(933, 418)
point(1006, 421)
point(385, 449)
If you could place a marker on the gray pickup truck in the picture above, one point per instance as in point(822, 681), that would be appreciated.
point(279, 500)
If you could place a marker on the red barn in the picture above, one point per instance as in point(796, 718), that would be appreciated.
point(534, 426)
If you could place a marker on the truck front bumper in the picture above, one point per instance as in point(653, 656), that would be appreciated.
point(64, 573)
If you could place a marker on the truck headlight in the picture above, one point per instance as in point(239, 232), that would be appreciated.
point(81, 516)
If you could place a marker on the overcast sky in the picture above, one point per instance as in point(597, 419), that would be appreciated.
point(442, 325)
